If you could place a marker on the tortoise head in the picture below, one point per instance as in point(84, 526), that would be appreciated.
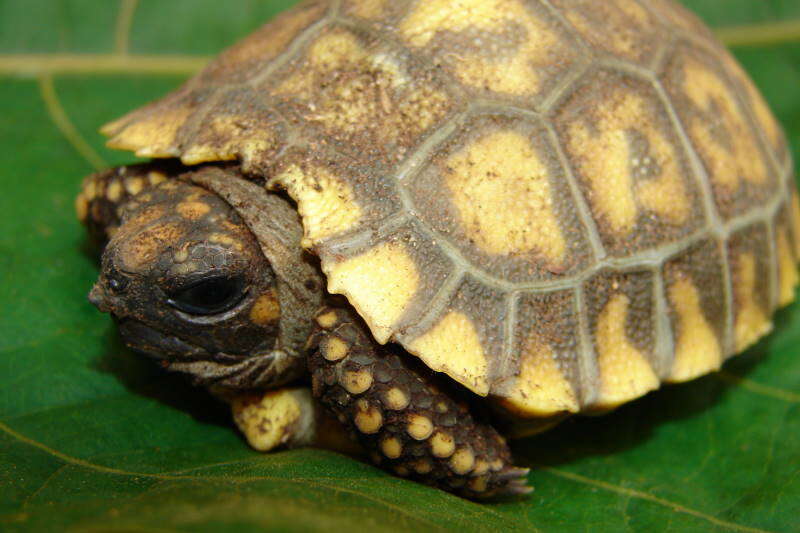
point(188, 283)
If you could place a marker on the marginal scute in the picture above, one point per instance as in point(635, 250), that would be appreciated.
point(541, 388)
point(502, 191)
point(528, 49)
point(154, 134)
point(325, 202)
point(697, 349)
point(751, 322)
point(380, 283)
point(453, 346)
point(229, 137)
point(625, 373)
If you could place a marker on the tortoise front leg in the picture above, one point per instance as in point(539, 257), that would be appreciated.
point(397, 410)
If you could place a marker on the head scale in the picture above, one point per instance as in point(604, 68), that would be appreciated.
point(191, 283)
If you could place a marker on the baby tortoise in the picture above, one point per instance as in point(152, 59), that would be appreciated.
point(529, 208)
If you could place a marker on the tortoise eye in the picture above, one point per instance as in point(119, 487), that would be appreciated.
point(209, 296)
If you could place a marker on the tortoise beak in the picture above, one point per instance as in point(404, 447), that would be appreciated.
point(97, 297)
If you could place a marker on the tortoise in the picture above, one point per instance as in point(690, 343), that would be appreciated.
point(439, 224)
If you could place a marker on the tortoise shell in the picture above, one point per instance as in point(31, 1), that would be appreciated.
point(559, 204)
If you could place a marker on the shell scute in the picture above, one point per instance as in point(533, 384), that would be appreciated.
point(741, 174)
point(496, 48)
point(698, 310)
point(620, 315)
point(752, 274)
point(504, 202)
point(547, 376)
point(641, 192)
point(369, 98)
point(622, 28)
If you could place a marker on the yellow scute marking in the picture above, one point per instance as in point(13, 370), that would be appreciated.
point(380, 283)
point(697, 350)
point(540, 389)
point(741, 158)
point(452, 346)
point(153, 135)
point(503, 195)
point(787, 268)
point(625, 373)
point(325, 202)
point(752, 322)
point(518, 73)
point(622, 177)
point(239, 141)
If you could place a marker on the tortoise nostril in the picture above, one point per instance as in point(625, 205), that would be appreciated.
point(97, 297)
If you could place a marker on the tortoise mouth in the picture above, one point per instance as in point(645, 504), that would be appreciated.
point(157, 344)
point(203, 366)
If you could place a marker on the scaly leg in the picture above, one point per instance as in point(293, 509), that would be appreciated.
point(398, 411)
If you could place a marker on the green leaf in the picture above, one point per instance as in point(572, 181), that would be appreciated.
point(95, 438)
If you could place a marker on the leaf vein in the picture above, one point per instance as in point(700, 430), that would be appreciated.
point(676, 507)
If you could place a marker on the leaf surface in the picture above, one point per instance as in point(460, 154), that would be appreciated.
point(95, 438)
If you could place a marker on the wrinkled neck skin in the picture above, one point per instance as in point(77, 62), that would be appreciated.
point(169, 232)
